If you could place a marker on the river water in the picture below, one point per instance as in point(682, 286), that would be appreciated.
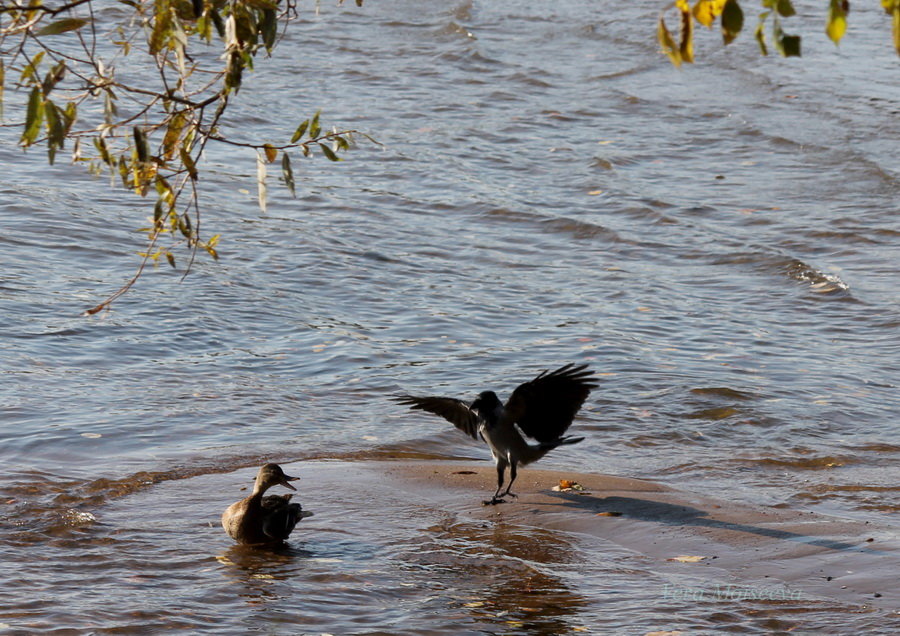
point(720, 243)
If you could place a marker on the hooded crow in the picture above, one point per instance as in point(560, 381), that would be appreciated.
point(542, 409)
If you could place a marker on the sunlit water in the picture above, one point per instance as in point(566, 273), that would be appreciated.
point(720, 243)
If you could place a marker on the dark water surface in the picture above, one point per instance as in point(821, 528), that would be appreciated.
point(720, 243)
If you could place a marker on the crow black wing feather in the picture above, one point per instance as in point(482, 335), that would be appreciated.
point(545, 407)
point(454, 411)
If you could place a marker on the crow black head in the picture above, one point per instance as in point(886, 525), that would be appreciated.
point(485, 403)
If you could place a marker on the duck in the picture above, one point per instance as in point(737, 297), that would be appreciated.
point(260, 519)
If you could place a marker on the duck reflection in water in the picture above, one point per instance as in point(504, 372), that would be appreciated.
point(260, 519)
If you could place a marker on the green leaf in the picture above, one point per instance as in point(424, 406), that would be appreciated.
point(314, 128)
point(667, 42)
point(188, 162)
point(268, 27)
point(288, 173)
point(785, 8)
point(686, 45)
point(53, 77)
point(30, 70)
point(761, 38)
point(328, 152)
point(100, 144)
point(62, 26)
point(732, 21)
point(34, 117)
point(140, 144)
point(300, 130)
point(170, 258)
point(162, 26)
point(790, 46)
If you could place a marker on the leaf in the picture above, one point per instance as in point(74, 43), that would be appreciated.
point(785, 8)
point(53, 77)
point(268, 27)
point(300, 130)
point(706, 11)
point(761, 39)
point(188, 162)
point(732, 21)
point(170, 258)
point(162, 26)
point(896, 26)
point(789, 45)
point(62, 26)
point(34, 117)
point(261, 181)
point(328, 152)
point(667, 42)
point(688, 559)
point(140, 144)
point(314, 128)
point(686, 45)
point(837, 21)
point(271, 153)
point(288, 173)
point(30, 70)
point(173, 134)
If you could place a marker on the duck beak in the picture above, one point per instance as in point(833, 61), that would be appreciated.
point(287, 480)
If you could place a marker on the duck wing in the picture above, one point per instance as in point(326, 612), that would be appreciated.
point(280, 516)
point(545, 407)
point(454, 411)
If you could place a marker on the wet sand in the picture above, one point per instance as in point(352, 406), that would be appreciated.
point(404, 546)
point(763, 553)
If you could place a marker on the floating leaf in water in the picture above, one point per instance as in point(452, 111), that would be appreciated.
point(688, 559)
point(474, 604)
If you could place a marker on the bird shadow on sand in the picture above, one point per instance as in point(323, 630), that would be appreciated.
point(680, 515)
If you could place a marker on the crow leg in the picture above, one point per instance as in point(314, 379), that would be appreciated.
point(501, 477)
point(512, 478)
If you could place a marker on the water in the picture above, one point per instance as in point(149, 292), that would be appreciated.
point(720, 243)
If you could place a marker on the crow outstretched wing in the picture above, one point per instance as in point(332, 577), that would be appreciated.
point(454, 411)
point(545, 407)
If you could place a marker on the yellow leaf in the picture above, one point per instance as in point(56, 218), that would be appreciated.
point(668, 43)
point(837, 21)
point(271, 153)
point(896, 22)
point(706, 11)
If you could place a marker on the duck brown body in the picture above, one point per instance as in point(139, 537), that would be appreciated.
point(260, 519)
